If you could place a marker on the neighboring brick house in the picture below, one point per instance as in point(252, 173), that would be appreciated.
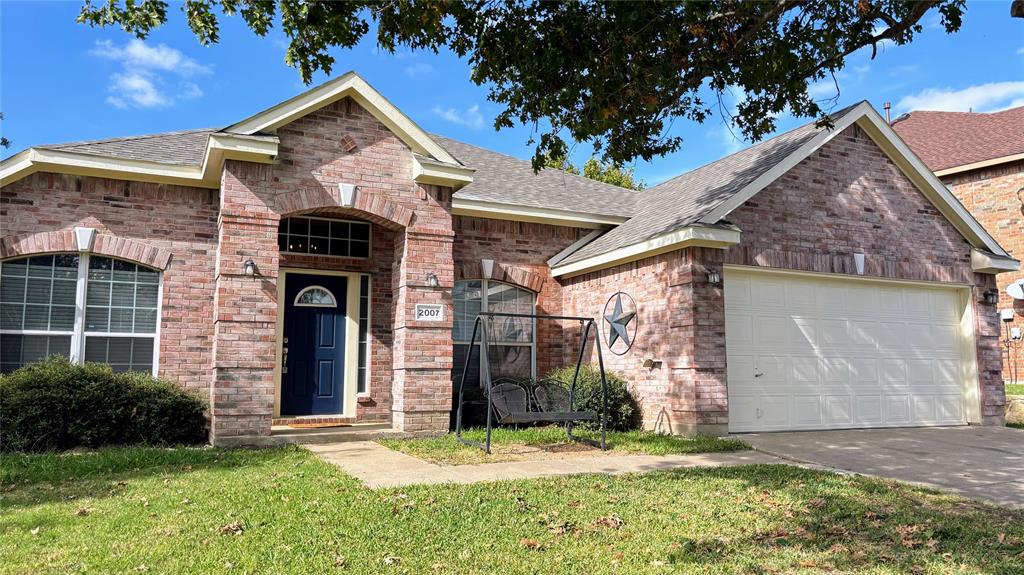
point(326, 259)
point(980, 157)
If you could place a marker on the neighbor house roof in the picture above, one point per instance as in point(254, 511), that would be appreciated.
point(955, 141)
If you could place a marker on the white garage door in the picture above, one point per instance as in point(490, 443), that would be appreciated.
point(813, 352)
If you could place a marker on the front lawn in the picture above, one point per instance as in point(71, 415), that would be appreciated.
point(1015, 389)
point(285, 511)
point(548, 442)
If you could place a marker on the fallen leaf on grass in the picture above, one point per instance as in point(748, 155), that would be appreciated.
point(83, 511)
point(612, 521)
point(35, 531)
point(529, 544)
point(391, 560)
point(233, 528)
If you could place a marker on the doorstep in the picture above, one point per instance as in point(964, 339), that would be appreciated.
point(281, 435)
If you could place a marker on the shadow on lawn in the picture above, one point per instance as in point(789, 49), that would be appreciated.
point(33, 479)
point(849, 524)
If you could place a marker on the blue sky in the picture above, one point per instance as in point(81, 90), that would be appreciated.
point(62, 81)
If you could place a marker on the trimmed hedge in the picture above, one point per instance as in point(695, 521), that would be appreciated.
point(54, 405)
point(623, 409)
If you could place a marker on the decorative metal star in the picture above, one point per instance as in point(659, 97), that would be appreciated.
point(617, 322)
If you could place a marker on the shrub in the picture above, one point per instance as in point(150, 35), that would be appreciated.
point(623, 409)
point(55, 405)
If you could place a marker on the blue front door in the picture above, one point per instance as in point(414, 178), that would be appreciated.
point(313, 372)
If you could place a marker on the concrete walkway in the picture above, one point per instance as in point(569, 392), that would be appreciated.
point(984, 463)
point(377, 466)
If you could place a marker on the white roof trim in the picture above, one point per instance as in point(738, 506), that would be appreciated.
point(979, 165)
point(351, 85)
point(986, 263)
point(442, 175)
point(219, 147)
point(689, 236)
point(883, 135)
point(498, 211)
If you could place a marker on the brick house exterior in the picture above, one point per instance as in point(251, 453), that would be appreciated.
point(208, 216)
point(980, 156)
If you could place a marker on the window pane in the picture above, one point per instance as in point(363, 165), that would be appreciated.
point(127, 303)
point(121, 353)
point(37, 317)
point(459, 364)
point(12, 288)
point(316, 296)
point(17, 268)
point(62, 318)
point(17, 350)
point(38, 290)
point(40, 266)
point(324, 236)
point(65, 266)
point(64, 292)
point(11, 315)
point(364, 334)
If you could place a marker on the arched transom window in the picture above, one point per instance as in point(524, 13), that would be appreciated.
point(513, 353)
point(85, 307)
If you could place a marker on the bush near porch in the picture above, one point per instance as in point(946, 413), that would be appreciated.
point(54, 405)
point(284, 511)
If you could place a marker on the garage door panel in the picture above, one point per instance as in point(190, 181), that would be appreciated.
point(807, 410)
point(868, 410)
point(810, 353)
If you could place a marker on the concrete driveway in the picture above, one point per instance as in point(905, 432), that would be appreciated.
point(985, 463)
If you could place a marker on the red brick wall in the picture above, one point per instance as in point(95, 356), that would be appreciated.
point(996, 198)
point(846, 197)
point(411, 360)
point(181, 220)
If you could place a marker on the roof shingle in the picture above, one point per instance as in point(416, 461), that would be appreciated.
point(183, 148)
point(946, 140)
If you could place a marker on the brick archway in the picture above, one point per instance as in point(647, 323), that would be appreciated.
point(104, 244)
point(367, 205)
point(507, 273)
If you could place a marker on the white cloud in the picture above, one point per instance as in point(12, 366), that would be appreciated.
point(137, 54)
point(470, 117)
point(1020, 51)
point(144, 80)
point(418, 69)
point(989, 97)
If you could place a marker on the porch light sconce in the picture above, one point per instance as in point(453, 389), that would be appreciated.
point(249, 268)
point(714, 277)
point(348, 195)
point(486, 268)
point(432, 280)
point(992, 297)
point(858, 263)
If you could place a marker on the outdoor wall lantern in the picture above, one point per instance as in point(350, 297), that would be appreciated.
point(432, 280)
point(249, 268)
point(991, 297)
point(714, 277)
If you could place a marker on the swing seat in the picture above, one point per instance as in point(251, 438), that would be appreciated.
point(512, 404)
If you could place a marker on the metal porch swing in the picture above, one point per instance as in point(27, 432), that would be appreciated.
point(509, 402)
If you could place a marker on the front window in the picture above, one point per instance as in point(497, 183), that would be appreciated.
point(324, 237)
point(84, 307)
point(511, 339)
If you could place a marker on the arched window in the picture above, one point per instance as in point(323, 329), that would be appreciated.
point(315, 296)
point(85, 307)
point(513, 354)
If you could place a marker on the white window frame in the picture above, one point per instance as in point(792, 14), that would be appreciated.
point(334, 299)
point(484, 289)
point(369, 238)
point(78, 334)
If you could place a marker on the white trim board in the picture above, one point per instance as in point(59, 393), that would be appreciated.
point(690, 236)
point(499, 211)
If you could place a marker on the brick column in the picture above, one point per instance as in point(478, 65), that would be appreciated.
point(421, 387)
point(245, 309)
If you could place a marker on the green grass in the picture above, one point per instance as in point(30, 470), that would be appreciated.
point(539, 442)
point(1015, 389)
point(285, 511)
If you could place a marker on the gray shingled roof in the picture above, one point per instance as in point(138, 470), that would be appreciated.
point(184, 148)
point(507, 180)
point(687, 198)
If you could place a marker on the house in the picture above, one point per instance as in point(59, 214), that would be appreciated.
point(326, 258)
point(980, 158)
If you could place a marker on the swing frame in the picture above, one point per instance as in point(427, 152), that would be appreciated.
point(480, 326)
